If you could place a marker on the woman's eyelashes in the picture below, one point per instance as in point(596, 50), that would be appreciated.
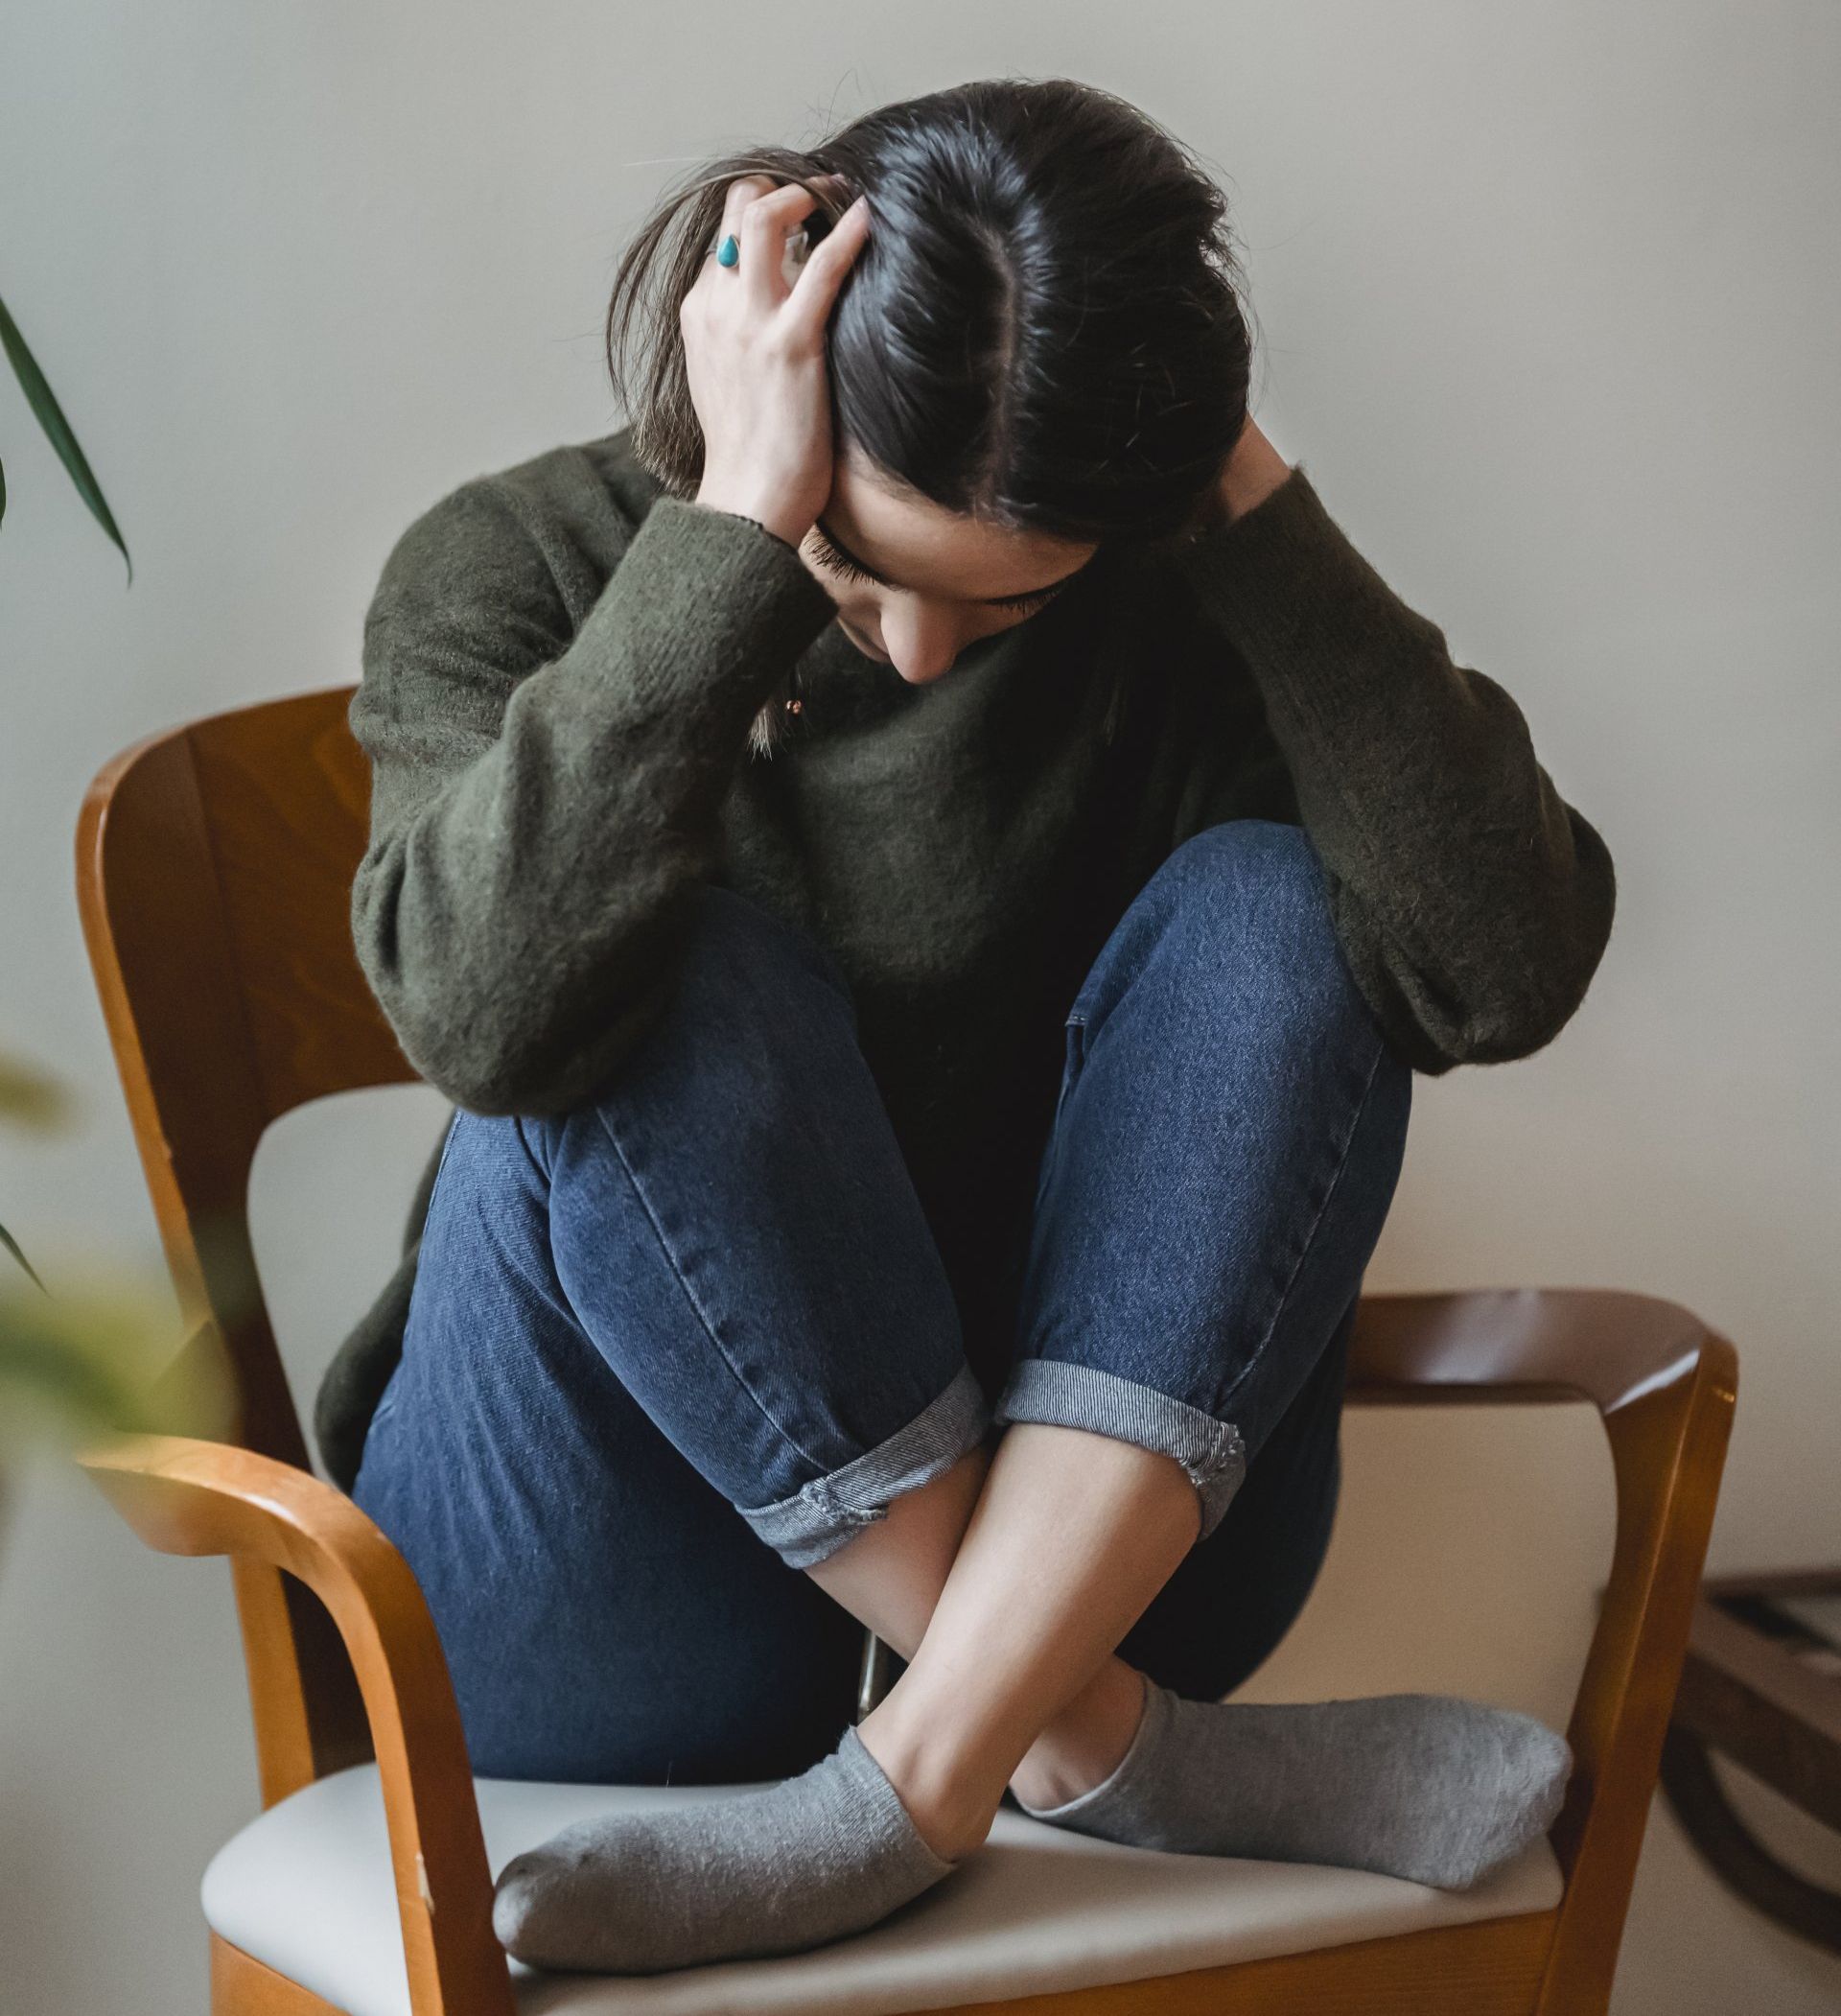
point(834, 562)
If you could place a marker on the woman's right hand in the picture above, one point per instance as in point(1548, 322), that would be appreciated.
point(755, 358)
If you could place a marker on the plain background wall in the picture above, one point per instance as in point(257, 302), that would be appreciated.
point(1549, 303)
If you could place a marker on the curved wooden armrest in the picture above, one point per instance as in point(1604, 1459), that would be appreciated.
point(1602, 1345)
point(204, 1498)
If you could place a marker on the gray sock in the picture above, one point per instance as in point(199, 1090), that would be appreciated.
point(826, 1853)
point(1423, 1785)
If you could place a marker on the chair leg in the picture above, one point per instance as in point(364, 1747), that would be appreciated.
point(873, 1681)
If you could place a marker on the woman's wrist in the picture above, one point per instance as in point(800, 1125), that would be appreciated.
point(770, 517)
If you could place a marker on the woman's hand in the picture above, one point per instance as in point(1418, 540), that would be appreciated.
point(1253, 471)
point(755, 358)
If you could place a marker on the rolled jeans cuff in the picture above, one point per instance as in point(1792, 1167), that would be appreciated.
point(1061, 1396)
point(819, 1517)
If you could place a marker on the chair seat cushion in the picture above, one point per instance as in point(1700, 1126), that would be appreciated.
point(306, 1889)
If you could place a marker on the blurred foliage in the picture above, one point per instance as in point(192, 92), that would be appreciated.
point(29, 1098)
point(76, 1367)
point(73, 1367)
point(103, 1360)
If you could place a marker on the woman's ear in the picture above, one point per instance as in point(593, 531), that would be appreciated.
point(1209, 510)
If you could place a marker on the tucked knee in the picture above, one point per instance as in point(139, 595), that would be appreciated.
point(755, 1008)
point(745, 953)
point(1246, 910)
point(1265, 870)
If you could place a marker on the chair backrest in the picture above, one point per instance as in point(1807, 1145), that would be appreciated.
point(214, 875)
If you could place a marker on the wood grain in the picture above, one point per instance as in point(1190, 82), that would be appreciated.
point(1492, 1968)
point(242, 1986)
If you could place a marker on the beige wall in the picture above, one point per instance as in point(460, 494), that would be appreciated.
point(1549, 297)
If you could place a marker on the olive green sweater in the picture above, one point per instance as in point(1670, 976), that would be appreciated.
point(560, 666)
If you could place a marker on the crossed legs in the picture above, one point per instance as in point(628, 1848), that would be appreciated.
point(1223, 1153)
point(1013, 1677)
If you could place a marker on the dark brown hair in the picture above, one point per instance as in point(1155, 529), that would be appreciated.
point(1043, 330)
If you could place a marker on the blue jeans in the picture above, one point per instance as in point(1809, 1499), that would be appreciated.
point(670, 1347)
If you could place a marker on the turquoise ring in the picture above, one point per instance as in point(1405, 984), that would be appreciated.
point(729, 252)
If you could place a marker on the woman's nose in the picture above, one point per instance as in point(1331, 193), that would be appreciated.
point(923, 649)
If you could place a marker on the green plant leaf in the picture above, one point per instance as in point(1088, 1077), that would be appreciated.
point(29, 1098)
point(51, 417)
point(13, 1248)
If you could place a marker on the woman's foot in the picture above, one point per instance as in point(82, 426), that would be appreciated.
point(1424, 1786)
point(830, 1852)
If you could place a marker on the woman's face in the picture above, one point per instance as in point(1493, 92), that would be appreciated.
point(936, 582)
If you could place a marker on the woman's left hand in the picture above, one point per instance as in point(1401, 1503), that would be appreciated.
point(1253, 471)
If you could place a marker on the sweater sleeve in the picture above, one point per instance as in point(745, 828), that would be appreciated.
point(1474, 904)
point(545, 806)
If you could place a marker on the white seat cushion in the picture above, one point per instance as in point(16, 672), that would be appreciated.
point(306, 1889)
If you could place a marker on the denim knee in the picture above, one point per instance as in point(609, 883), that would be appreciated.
point(760, 1012)
point(739, 944)
point(1228, 1133)
point(1257, 886)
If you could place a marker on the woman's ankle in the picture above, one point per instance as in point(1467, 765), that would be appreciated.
point(950, 1785)
point(1085, 1742)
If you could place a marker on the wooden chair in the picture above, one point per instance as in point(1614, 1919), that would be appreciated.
point(215, 864)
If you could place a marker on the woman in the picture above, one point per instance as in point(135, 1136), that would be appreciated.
point(927, 863)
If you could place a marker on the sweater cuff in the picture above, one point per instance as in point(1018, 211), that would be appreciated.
point(725, 607)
